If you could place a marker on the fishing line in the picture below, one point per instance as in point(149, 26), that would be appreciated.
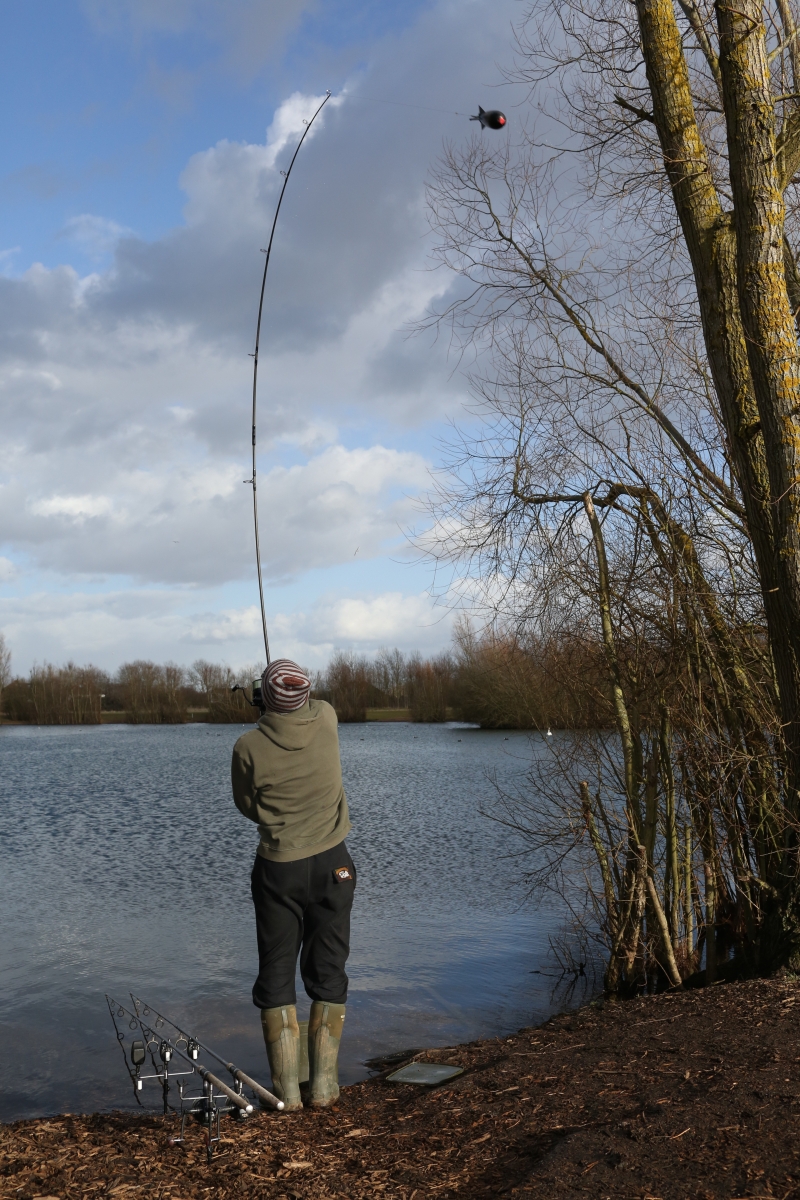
point(268, 253)
point(450, 112)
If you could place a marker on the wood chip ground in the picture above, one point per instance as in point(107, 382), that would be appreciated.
point(683, 1095)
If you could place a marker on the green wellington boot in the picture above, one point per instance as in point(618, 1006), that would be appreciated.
point(282, 1039)
point(324, 1035)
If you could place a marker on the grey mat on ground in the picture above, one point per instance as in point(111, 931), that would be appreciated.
point(427, 1073)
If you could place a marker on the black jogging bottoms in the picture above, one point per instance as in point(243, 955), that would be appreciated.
point(303, 907)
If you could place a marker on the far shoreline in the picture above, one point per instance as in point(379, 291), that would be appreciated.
point(394, 716)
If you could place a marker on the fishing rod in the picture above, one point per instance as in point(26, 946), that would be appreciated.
point(192, 1045)
point(206, 1108)
point(268, 253)
point(138, 1053)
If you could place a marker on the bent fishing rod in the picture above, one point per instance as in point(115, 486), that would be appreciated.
point(268, 253)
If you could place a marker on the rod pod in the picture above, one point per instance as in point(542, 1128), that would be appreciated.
point(235, 1071)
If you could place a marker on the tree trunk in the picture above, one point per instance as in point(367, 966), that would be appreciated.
point(749, 331)
point(711, 919)
point(688, 899)
point(768, 323)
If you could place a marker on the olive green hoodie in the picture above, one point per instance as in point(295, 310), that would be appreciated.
point(287, 777)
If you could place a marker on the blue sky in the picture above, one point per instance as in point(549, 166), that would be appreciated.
point(140, 154)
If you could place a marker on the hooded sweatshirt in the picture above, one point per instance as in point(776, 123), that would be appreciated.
point(287, 777)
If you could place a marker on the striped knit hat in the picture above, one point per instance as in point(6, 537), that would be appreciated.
point(284, 686)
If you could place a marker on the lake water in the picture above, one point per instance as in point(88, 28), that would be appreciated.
point(125, 865)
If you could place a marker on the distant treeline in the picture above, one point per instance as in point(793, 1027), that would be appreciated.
point(142, 692)
point(498, 681)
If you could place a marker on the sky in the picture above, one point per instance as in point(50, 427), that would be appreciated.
point(140, 156)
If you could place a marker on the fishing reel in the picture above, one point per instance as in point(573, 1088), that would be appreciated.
point(257, 700)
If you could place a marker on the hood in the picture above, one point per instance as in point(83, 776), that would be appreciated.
point(295, 730)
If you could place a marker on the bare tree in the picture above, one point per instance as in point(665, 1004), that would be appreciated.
point(153, 693)
point(636, 290)
point(217, 682)
point(213, 680)
point(390, 674)
point(68, 695)
point(429, 686)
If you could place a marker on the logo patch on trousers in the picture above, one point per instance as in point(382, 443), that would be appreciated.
point(343, 875)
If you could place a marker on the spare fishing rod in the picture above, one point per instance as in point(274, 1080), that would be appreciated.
point(268, 253)
point(166, 1049)
point(138, 1053)
point(206, 1108)
point(193, 1044)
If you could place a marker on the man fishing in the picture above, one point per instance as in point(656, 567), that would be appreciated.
point(287, 777)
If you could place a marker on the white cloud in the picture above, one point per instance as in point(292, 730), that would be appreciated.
point(125, 393)
point(390, 619)
point(36, 378)
point(191, 523)
point(71, 506)
point(229, 625)
point(96, 236)
point(363, 622)
point(291, 118)
point(160, 624)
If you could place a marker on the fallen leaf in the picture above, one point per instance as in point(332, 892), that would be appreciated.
point(356, 1133)
point(296, 1166)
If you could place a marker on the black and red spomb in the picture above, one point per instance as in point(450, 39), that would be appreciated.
point(493, 119)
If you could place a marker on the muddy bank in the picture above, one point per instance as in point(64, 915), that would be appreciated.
point(694, 1094)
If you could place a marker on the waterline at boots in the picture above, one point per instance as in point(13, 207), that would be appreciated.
point(324, 1034)
point(282, 1039)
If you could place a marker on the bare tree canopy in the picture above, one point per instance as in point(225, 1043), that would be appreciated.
point(628, 285)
